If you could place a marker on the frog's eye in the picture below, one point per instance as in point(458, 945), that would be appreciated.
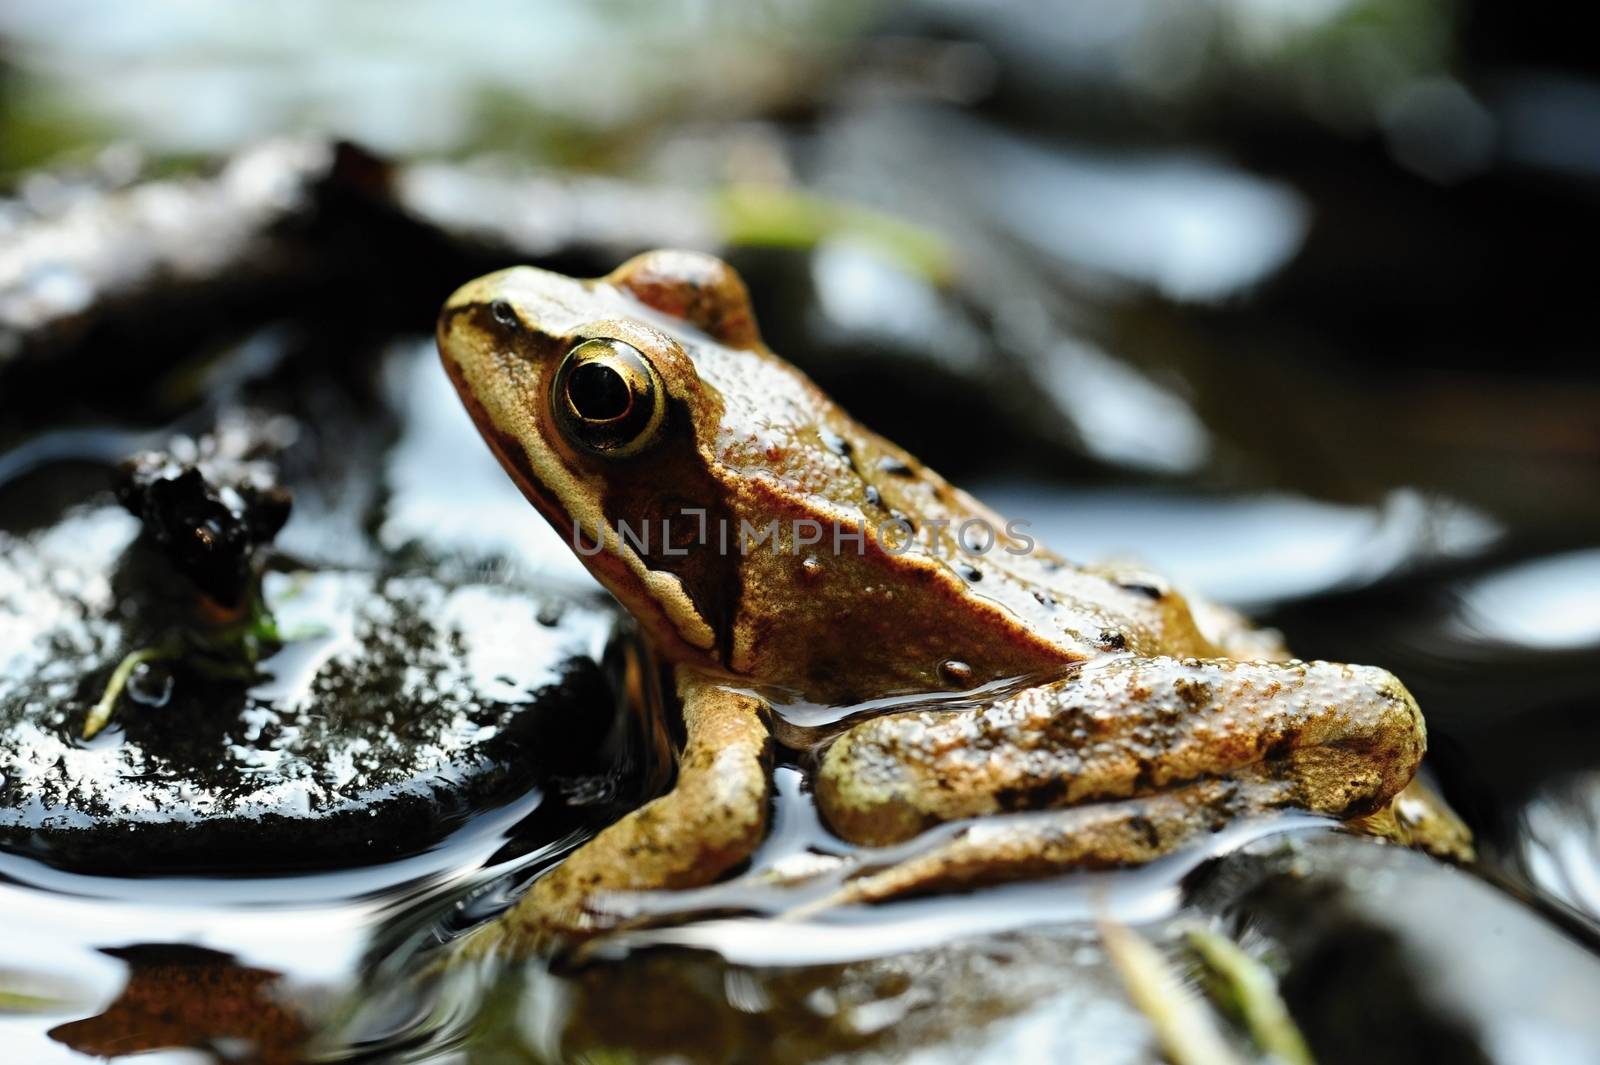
point(607, 399)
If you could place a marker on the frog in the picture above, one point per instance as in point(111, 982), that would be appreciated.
point(773, 549)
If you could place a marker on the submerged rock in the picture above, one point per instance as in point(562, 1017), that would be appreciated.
point(397, 707)
point(1389, 956)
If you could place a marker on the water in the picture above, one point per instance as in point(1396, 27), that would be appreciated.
point(315, 931)
point(749, 924)
point(1232, 344)
point(381, 929)
point(358, 952)
point(779, 931)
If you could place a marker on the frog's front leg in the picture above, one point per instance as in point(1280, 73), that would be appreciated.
point(1330, 738)
point(711, 820)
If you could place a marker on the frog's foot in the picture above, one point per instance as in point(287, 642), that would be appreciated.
point(1419, 817)
point(1337, 739)
point(710, 821)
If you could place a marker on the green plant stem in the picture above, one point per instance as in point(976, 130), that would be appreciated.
point(1249, 989)
point(1181, 1020)
point(100, 713)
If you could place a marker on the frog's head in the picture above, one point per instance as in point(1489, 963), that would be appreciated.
point(684, 462)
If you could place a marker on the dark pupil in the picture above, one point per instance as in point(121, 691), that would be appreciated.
point(598, 392)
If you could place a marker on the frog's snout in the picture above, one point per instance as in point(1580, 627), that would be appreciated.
point(479, 291)
point(473, 320)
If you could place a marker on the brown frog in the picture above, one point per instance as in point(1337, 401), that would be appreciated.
point(768, 543)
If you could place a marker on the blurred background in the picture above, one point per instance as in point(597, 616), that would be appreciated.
point(1293, 299)
point(1310, 274)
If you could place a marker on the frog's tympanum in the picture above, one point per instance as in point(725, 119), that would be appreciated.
point(768, 543)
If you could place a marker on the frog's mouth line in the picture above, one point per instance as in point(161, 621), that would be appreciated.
point(508, 450)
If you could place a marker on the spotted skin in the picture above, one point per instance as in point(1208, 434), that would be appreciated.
point(1149, 718)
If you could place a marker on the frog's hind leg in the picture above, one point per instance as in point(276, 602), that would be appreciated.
point(1043, 843)
point(711, 820)
point(1343, 740)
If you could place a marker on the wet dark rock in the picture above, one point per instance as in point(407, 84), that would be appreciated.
point(397, 708)
point(104, 291)
point(71, 269)
point(1389, 956)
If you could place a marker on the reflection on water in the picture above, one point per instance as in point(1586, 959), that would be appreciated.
point(316, 930)
point(187, 996)
point(1123, 416)
point(1547, 604)
point(987, 999)
point(1559, 841)
point(920, 957)
point(1132, 896)
point(1188, 226)
point(1248, 551)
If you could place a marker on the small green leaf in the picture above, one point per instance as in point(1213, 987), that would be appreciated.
point(1246, 988)
point(1186, 1028)
point(775, 216)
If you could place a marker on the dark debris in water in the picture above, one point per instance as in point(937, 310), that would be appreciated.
point(207, 511)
